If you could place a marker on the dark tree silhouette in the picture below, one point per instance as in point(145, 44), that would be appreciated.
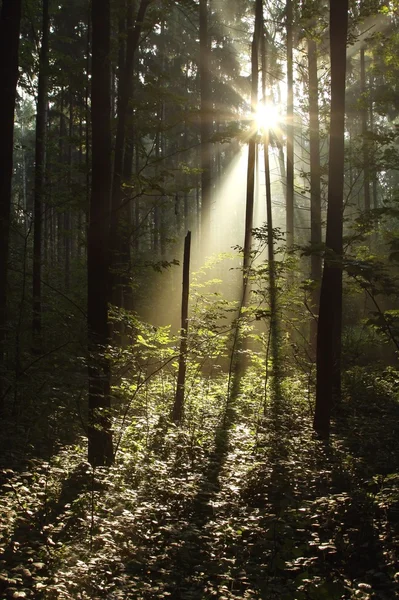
point(178, 407)
point(366, 166)
point(290, 130)
point(41, 118)
point(100, 450)
point(315, 185)
point(249, 209)
point(328, 385)
point(206, 120)
point(10, 22)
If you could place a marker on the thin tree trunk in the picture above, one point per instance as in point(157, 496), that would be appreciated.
point(60, 215)
point(206, 122)
point(249, 208)
point(47, 200)
point(328, 385)
point(315, 187)
point(137, 224)
point(67, 213)
point(41, 117)
point(274, 341)
point(87, 118)
point(178, 408)
point(372, 129)
point(237, 360)
point(290, 131)
point(130, 160)
point(10, 20)
point(79, 224)
point(366, 165)
point(100, 451)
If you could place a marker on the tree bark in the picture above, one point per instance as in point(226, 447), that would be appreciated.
point(100, 451)
point(68, 217)
point(61, 160)
point(206, 122)
point(372, 129)
point(40, 149)
point(366, 160)
point(249, 207)
point(10, 21)
point(328, 384)
point(178, 408)
point(273, 323)
point(87, 119)
point(290, 131)
point(315, 187)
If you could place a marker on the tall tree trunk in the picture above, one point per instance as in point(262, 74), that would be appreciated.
point(40, 148)
point(366, 162)
point(87, 119)
point(137, 222)
point(290, 130)
point(372, 129)
point(328, 385)
point(10, 20)
point(47, 199)
point(130, 162)
point(237, 361)
point(273, 324)
point(206, 122)
point(79, 224)
point(68, 217)
point(61, 158)
point(100, 451)
point(249, 207)
point(315, 186)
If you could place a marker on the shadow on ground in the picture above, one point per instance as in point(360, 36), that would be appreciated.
point(299, 520)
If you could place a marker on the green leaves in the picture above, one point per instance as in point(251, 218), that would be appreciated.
point(327, 591)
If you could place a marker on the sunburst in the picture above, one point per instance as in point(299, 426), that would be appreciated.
point(267, 117)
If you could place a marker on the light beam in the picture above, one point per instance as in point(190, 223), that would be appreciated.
point(267, 117)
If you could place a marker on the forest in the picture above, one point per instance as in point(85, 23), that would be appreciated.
point(199, 282)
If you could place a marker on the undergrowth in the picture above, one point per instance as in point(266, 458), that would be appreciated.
point(239, 506)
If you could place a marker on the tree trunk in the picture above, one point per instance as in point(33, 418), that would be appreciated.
point(40, 147)
point(373, 130)
point(328, 385)
point(315, 187)
point(61, 158)
point(87, 118)
point(178, 408)
point(249, 207)
point(100, 451)
point(290, 131)
point(273, 324)
point(10, 20)
point(68, 217)
point(206, 123)
point(366, 162)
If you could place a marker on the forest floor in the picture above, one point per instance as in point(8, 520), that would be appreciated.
point(232, 507)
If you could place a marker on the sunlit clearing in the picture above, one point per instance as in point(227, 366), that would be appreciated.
point(267, 117)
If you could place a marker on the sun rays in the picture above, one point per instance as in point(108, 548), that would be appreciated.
point(267, 117)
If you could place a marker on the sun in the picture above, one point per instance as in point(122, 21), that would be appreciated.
point(267, 117)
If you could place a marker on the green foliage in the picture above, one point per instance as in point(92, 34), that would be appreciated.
point(244, 506)
point(241, 500)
